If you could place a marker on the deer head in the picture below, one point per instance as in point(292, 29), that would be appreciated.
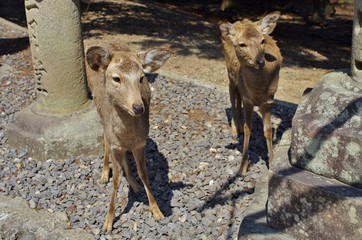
point(124, 74)
point(249, 38)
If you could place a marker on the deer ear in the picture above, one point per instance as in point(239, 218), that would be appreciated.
point(269, 22)
point(98, 57)
point(154, 59)
point(227, 29)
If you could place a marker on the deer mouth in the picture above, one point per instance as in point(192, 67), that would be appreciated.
point(133, 114)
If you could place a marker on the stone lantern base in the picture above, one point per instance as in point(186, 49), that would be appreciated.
point(57, 136)
point(315, 182)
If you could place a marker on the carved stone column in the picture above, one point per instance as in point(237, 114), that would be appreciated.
point(57, 51)
point(356, 62)
point(317, 194)
point(62, 122)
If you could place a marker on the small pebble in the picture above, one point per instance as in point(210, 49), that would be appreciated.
point(32, 204)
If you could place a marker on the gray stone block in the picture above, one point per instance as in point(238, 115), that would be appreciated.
point(58, 136)
point(18, 221)
point(327, 130)
point(310, 206)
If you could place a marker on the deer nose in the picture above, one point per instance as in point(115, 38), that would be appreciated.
point(137, 109)
point(260, 62)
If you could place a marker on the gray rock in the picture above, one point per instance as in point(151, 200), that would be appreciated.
point(32, 204)
point(18, 218)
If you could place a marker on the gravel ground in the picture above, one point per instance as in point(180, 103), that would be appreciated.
point(192, 161)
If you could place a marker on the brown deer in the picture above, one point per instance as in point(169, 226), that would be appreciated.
point(253, 61)
point(121, 92)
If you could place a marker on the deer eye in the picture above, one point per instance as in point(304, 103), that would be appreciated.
point(141, 79)
point(116, 79)
point(242, 45)
point(263, 41)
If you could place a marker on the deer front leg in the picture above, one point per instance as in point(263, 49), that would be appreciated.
point(248, 125)
point(139, 156)
point(236, 119)
point(268, 133)
point(117, 158)
point(105, 169)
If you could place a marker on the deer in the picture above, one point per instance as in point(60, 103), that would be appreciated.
point(253, 61)
point(119, 86)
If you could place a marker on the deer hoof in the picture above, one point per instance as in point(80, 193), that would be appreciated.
point(157, 214)
point(105, 177)
point(108, 224)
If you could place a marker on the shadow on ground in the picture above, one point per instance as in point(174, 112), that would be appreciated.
point(158, 171)
point(257, 152)
point(257, 139)
point(301, 44)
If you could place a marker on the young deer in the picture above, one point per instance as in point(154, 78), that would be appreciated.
point(253, 62)
point(122, 97)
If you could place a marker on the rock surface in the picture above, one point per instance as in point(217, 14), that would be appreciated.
point(327, 130)
point(309, 206)
point(17, 221)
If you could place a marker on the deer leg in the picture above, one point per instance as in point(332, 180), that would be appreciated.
point(248, 113)
point(139, 155)
point(235, 100)
point(266, 114)
point(130, 178)
point(105, 169)
point(117, 159)
point(239, 114)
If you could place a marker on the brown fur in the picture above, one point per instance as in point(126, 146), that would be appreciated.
point(122, 97)
point(253, 61)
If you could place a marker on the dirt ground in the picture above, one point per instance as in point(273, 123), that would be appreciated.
point(190, 29)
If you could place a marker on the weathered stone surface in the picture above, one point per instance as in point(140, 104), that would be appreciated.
point(327, 130)
point(58, 55)
point(310, 206)
point(356, 63)
point(18, 221)
point(56, 137)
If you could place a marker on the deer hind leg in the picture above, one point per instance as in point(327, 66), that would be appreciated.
point(117, 158)
point(268, 133)
point(105, 169)
point(248, 125)
point(239, 112)
point(236, 120)
point(139, 156)
point(130, 178)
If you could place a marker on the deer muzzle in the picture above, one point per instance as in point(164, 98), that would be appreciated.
point(138, 109)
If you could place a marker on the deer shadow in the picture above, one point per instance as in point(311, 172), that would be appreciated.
point(257, 145)
point(157, 170)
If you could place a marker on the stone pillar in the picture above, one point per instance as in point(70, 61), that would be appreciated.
point(318, 193)
point(63, 121)
point(57, 51)
point(356, 63)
